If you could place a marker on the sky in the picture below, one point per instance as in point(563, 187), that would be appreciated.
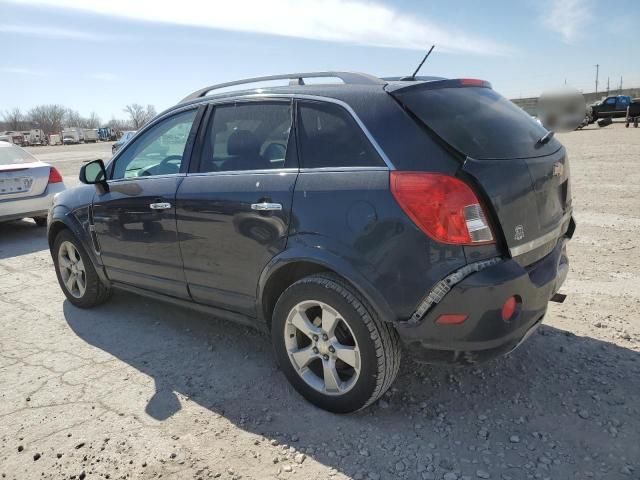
point(98, 56)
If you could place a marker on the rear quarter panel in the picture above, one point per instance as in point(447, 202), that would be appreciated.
point(352, 215)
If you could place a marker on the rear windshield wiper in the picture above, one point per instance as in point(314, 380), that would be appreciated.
point(546, 138)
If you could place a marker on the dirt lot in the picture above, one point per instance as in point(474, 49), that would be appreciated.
point(137, 389)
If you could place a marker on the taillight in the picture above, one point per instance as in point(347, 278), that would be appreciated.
point(443, 207)
point(54, 176)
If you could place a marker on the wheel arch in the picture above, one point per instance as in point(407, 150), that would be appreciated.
point(292, 265)
point(63, 219)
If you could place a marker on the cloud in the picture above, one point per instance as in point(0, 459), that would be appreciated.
point(49, 32)
point(22, 71)
point(569, 18)
point(357, 22)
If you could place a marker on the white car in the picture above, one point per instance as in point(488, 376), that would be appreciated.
point(27, 185)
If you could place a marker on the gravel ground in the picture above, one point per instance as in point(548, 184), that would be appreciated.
point(137, 389)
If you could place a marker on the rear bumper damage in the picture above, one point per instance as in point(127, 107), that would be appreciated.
point(479, 291)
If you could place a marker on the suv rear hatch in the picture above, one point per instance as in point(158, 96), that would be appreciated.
point(525, 179)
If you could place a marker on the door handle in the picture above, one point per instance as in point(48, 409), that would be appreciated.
point(159, 206)
point(265, 206)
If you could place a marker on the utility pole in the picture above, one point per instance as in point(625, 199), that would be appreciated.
point(607, 86)
point(620, 84)
point(597, 71)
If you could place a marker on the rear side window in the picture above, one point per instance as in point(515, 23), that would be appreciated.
point(330, 137)
point(478, 122)
point(250, 136)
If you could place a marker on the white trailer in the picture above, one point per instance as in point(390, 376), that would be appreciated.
point(90, 135)
point(35, 136)
point(17, 138)
point(72, 135)
point(54, 139)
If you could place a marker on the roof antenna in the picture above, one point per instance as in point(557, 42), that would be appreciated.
point(413, 77)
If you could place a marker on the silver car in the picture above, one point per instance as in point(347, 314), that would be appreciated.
point(27, 185)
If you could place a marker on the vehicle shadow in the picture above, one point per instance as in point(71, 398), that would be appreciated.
point(559, 396)
point(21, 237)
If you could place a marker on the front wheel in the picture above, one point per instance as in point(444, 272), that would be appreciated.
point(76, 274)
point(331, 346)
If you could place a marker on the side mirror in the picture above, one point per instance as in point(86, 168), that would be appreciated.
point(93, 173)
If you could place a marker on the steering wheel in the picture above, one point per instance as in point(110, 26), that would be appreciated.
point(159, 167)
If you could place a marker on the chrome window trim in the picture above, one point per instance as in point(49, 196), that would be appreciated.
point(344, 169)
point(316, 98)
point(540, 241)
point(261, 171)
point(146, 177)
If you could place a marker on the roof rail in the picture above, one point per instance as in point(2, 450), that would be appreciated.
point(350, 78)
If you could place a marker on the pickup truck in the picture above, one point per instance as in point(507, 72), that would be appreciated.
point(619, 106)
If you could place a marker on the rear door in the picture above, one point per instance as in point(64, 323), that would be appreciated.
point(525, 179)
point(134, 221)
point(234, 207)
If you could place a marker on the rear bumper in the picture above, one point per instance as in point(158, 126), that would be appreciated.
point(14, 209)
point(480, 296)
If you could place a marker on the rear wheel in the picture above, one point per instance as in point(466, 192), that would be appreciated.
point(76, 274)
point(331, 346)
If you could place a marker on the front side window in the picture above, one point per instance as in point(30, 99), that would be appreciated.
point(330, 137)
point(610, 101)
point(248, 136)
point(158, 151)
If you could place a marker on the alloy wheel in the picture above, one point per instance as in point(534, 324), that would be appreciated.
point(322, 347)
point(72, 269)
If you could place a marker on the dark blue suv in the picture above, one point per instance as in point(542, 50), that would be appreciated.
point(349, 220)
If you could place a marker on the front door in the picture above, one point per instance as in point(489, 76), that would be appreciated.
point(135, 221)
point(233, 211)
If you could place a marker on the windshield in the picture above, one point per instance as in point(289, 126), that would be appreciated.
point(10, 155)
point(478, 122)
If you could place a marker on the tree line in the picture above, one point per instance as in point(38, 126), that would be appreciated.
point(53, 118)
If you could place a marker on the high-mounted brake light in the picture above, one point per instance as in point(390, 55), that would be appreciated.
point(473, 82)
point(54, 176)
point(443, 207)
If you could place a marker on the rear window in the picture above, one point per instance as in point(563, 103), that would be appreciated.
point(12, 154)
point(478, 122)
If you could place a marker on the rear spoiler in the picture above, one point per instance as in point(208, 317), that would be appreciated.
point(433, 85)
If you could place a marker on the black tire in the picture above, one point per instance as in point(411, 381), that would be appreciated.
point(96, 292)
point(40, 221)
point(377, 341)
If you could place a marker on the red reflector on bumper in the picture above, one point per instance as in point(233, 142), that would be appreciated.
point(509, 308)
point(451, 319)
